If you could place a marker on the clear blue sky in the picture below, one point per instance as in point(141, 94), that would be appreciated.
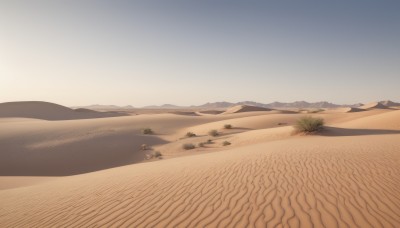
point(192, 52)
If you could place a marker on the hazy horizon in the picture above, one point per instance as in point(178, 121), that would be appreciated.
point(189, 53)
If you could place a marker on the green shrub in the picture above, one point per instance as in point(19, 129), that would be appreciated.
point(147, 131)
point(214, 133)
point(190, 134)
point(226, 143)
point(188, 146)
point(309, 124)
point(228, 126)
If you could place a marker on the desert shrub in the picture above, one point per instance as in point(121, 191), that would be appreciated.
point(190, 134)
point(228, 126)
point(209, 141)
point(226, 143)
point(144, 147)
point(157, 154)
point(309, 124)
point(201, 144)
point(188, 146)
point(214, 133)
point(147, 131)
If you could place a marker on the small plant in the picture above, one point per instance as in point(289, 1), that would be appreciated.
point(144, 147)
point(213, 133)
point(188, 146)
point(157, 154)
point(147, 131)
point(228, 126)
point(209, 141)
point(309, 124)
point(201, 144)
point(226, 143)
point(190, 134)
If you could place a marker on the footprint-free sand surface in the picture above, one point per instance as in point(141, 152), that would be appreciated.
point(55, 175)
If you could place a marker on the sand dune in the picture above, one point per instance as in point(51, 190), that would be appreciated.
point(211, 112)
point(304, 182)
point(373, 105)
point(345, 110)
point(389, 103)
point(49, 111)
point(348, 176)
point(186, 113)
point(245, 108)
point(386, 120)
point(56, 148)
point(48, 148)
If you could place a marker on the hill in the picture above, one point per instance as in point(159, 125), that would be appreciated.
point(49, 111)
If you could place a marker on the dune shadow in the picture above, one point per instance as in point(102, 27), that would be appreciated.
point(74, 158)
point(240, 128)
point(336, 131)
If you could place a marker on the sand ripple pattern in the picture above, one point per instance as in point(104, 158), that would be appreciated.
point(295, 183)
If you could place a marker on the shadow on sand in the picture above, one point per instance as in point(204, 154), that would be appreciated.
point(336, 131)
point(74, 158)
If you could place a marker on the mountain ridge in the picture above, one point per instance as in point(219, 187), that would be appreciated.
point(224, 105)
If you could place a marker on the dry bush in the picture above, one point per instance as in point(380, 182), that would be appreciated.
point(147, 131)
point(188, 146)
point(190, 134)
point(228, 126)
point(213, 133)
point(309, 124)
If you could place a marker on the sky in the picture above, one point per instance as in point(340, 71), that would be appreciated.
point(83, 52)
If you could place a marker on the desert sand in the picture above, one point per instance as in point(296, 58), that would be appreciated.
point(91, 172)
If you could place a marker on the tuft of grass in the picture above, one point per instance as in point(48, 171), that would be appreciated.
point(228, 126)
point(201, 144)
point(213, 133)
point(188, 146)
point(226, 143)
point(147, 131)
point(309, 124)
point(190, 134)
point(157, 154)
point(209, 141)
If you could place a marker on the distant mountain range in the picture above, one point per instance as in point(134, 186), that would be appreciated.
point(225, 105)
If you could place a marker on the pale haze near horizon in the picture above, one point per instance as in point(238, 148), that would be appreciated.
point(188, 53)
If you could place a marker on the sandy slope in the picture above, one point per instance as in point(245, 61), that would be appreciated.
point(245, 108)
point(8, 182)
point(349, 176)
point(55, 148)
point(302, 182)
